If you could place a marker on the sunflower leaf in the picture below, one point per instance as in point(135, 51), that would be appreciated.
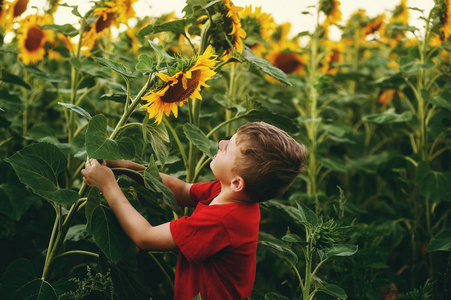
point(77, 109)
point(441, 242)
point(154, 183)
point(158, 137)
point(177, 26)
point(121, 69)
point(39, 166)
point(66, 29)
point(162, 55)
point(99, 145)
point(264, 65)
point(199, 139)
point(102, 224)
point(389, 116)
point(20, 282)
point(11, 78)
point(145, 64)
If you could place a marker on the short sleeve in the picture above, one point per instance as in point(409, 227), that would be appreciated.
point(200, 236)
point(205, 190)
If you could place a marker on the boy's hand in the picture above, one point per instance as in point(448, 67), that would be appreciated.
point(99, 175)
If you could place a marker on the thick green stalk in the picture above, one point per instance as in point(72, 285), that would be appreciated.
point(128, 111)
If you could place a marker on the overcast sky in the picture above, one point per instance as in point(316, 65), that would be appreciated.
point(281, 10)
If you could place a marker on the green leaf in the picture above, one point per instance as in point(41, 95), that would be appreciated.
point(66, 29)
point(153, 182)
point(293, 238)
point(290, 211)
point(162, 55)
point(368, 163)
point(389, 116)
point(158, 137)
point(19, 282)
point(39, 166)
point(11, 78)
point(200, 140)
point(433, 185)
point(265, 115)
point(145, 64)
point(441, 242)
point(92, 202)
point(76, 63)
point(273, 245)
point(307, 215)
point(10, 102)
point(116, 97)
point(77, 109)
point(197, 297)
point(121, 69)
point(36, 289)
point(177, 26)
point(264, 65)
point(107, 232)
point(75, 11)
point(410, 65)
point(444, 100)
point(337, 250)
point(334, 290)
point(335, 164)
point(77, 233)
point(15, 199)
point(99, 145)
point(274, 296)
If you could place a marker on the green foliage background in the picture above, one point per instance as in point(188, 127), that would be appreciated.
point(374, 201)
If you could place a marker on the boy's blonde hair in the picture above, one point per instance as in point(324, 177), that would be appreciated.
point(269, 160)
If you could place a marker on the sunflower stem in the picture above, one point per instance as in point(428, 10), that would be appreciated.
point(129, 110)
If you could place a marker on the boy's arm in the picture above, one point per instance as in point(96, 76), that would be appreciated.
point(179, 188)
point(141, 232)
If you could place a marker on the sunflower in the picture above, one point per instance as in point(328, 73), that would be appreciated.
point(387, 96)
point(373, 25)
point(125, 10)
point(17, 8)
point(334, 54)
point(281, 32)
point(444, 12)
point(179, 87)
point(401, 13)
point(2, 13)
point(31, 38)
point(107, 17)
point(237, 31)
point(225, 29)
point(285, 56)
point(258, 27)
point(331, 8)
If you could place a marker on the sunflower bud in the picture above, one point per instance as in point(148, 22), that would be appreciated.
point(326, 235)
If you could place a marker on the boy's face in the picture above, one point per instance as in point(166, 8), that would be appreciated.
point(223, 162)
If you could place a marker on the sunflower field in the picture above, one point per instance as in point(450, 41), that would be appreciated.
point(370, 217)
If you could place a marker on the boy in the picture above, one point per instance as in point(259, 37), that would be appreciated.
point(217, 244)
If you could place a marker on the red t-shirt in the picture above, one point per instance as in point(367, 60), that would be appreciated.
point(218, 245)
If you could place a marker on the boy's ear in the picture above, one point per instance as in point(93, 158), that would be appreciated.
point(237, 184)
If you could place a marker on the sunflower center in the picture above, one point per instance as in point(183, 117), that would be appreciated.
point(287, 62)
point(177, 93)
point(101, 24)
point(34, 38)
point(20, 7)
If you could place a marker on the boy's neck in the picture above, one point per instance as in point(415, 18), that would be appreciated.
point(227, 196)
